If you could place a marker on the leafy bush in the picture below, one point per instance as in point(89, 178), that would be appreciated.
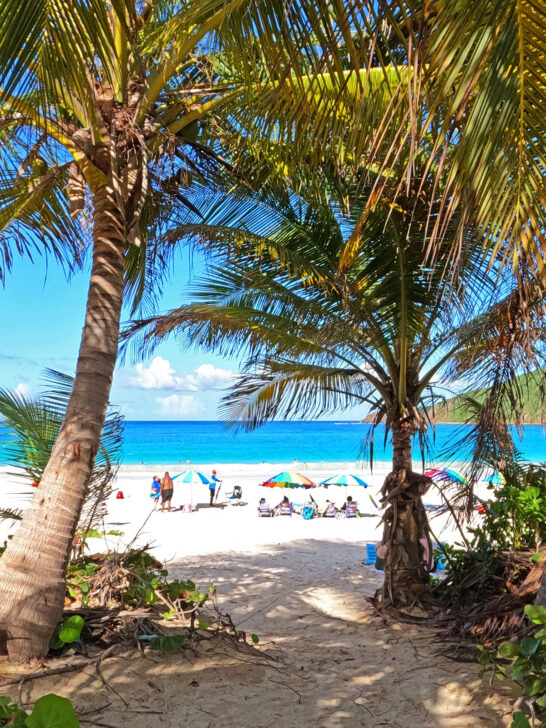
point(523, 662)
point(516, 517)
point(50, 711)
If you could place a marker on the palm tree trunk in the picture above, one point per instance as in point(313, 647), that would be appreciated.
point(406, 525)
point(540, 599)
point(32, 570)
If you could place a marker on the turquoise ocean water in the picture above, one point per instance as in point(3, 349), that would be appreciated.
point(279, 442)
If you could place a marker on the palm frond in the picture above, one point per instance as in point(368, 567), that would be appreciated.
point(33, 425)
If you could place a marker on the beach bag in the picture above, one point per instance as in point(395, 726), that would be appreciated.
point(307, 513)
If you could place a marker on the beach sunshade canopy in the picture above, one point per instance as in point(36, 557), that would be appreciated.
point(345, 479)
point(289, 480)
point(447, 475)
point(192, 477)
point(495, 478)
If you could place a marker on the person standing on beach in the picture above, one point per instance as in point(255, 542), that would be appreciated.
point(166, 489)
point(212, 486)
point(156, 489)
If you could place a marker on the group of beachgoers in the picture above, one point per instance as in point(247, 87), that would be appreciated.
point(163, 488)
point(309, 510)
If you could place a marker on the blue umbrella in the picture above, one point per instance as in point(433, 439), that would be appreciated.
point(495, 478)
point(345, 479)
point(192, 477)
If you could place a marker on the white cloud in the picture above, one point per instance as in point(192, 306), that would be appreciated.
point(22, 389)
point(179, 404)
point(205, 376)
point(161, 375)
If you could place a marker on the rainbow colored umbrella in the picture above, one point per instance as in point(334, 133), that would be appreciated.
point(495, 478)
point(288, 480)
point(345, 479)
point(447, 475)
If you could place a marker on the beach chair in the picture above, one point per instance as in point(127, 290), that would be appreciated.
point(351, 510)
point(264, 511)
point(285, 509)
point(330, 511)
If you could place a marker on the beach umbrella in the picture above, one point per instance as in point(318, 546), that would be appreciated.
point(288, 480)
point(345, 479)
point(446, 474)
point(191, 477)
point(495, 478)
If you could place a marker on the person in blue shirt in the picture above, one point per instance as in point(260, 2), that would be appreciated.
point(212, 486)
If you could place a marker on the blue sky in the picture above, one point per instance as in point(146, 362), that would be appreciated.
point(40, 326)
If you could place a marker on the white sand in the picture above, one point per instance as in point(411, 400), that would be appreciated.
point(299, 585)
point(178, 534)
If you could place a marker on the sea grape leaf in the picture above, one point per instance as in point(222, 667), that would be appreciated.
point(71, 629)
point(509, 649)
point(19, 719)
point(520, 721)
point(529, 645)
point(536, 613)
point(168, 643)
point(52, 711)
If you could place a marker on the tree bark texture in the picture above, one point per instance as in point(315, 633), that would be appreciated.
point(406, 526)
point(32, 570)
point(540, 599)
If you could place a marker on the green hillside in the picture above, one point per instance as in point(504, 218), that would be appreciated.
point(534, 411)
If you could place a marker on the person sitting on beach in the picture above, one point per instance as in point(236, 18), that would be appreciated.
point(328, 510)
point(167, 490)
point(350, 507)
point(154, 492)
point(264, 509)
point(284, 508)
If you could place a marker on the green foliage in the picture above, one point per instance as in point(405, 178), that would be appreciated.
point(526, 668)
point(67, 632)
point(471, 576)
point(516, 517)
point(33, 424)
point(459, 409)
point(255, 639)
point(168, 643)
point(50, 711)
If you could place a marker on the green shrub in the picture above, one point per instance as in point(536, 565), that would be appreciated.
point(524, 663)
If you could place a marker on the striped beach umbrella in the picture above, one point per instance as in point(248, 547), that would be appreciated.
point(495, 478)
point(447, 475)
point(288, 479)
point(192, 477)
point(345, 479)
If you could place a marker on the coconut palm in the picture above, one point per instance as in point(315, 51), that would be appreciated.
point(335, 310)
point(467, 104)
point(100, 112)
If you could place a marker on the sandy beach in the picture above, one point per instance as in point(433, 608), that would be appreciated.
point(178, 534)
point(300, 585)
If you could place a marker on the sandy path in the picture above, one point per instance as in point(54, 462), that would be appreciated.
point(335, 665)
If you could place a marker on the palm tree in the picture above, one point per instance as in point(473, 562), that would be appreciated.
point(464, 103)
point(331, 311)
point(100, 113)
point(33, 423)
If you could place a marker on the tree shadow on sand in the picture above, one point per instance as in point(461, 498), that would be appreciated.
point(328, 661)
